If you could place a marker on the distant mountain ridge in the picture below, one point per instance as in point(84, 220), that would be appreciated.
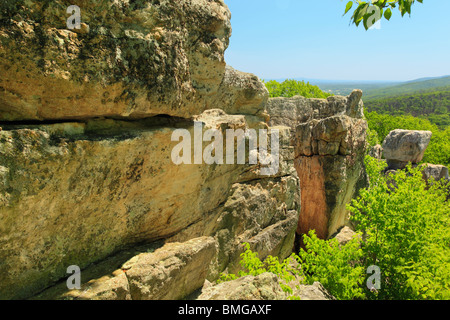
point(380, 89)
point(415, 86)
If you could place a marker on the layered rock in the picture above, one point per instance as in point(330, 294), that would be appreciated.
point(107, 185)
point(87, 176)
point(170, 272)
point(405, 146)
point(330, 142)
point(96, 177)
point(135, 60)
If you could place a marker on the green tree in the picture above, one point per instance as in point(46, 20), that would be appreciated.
point(336, 267)
point(406, 227)
point(290, 88)
point(368, 12)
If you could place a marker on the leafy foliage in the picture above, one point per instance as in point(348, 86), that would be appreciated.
point(369, 12)
point(404, 230)
point(434, 106)
point(335, 267)
point(253, 266)
point(406, 233)
point(290, 88)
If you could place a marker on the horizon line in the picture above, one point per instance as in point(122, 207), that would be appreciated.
point(358, 81)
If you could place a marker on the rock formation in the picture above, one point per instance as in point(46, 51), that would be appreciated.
point(434, 172)
point(263, 287)
point(85, 152)
point(405, 146)
point(329, 136)
point(86, 174)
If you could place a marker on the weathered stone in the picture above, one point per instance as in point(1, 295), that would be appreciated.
point(435, 172)
point(327, 185)
point(293, 111)
point(263, 287)
point(241, 93)
point(316, 291)
point(344, 235)
point(82, 198)
point(172, 272)
point(376, 152)
point(405, 146)
point(170, 60)
point(330, 141)
point(96, 178)
point(168, 272)
point(263, 213)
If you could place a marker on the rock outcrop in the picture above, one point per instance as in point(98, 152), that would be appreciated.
point(434, 172)
point(263, 287)
point(87, 176)
point(329, 136)
point(405, 146)
point(170, 272)
point(376, 152)
point(86, 170)
point(82, 198)
point(139, 59)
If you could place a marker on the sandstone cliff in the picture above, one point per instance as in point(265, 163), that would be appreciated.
point(329, 136)
point(86, 175)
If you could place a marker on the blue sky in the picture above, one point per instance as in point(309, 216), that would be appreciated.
point(277, 39)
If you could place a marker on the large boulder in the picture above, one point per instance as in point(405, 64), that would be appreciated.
point(405, 146)
point(168, 272)
point(434, 172)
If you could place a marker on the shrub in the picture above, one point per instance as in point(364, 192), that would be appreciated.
point(404, 229)
point(406, 233)
point(290, 88)
point(336, 267)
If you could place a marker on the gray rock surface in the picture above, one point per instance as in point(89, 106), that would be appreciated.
point(168, 272)
point(263, 287)
point(405, 146)
point(435, 172)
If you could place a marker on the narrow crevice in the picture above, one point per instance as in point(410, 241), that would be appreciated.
point(97, 129)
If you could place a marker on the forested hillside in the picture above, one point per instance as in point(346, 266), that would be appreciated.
point(434, 106)
point(411, 87)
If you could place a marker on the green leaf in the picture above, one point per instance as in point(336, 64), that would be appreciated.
point(388, 14)
point(348, 7)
